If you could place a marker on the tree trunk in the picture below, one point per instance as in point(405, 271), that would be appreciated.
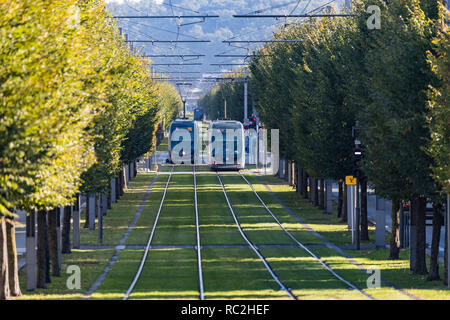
point(66, 230)
point(47, 254)
point(364, 219)
point(345, 204)
point(419, 208)
point(124, 180)
point(135, 168)
point(394, 243)
point(53, 242)
point(305, 184)
point(322, 194)
point(117, 180)
point(340, 198)
point(434, 257)
point(86, 221)
point(13, 268)
point(41, 249)
point(311, 189)
point(4, 274)
point(120, 180)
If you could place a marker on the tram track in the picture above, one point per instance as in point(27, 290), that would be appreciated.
point(144, 258)
point(334, 247)
point(302, 246)
point(252, 246)
point(198, 246)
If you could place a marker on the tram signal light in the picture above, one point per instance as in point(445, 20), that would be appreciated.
point(253, 123)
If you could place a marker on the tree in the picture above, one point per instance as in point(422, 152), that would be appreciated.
point(394, 130)
point(438, 119)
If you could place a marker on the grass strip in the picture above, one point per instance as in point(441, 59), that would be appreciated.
point(91, 264)
point(119, 218)
point(237, 274)
point(176, 225)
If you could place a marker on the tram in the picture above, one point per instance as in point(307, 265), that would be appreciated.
point(226, 147)
point(183, 152)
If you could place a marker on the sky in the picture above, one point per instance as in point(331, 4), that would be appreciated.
point(213, 29)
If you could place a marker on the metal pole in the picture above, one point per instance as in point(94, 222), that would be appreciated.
point(245, 97)
point(184, 108)
point(358, 213)
point(99, 200)
point(448, 236)
point(225, 107)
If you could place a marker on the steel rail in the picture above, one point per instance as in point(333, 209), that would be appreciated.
point(199, 255)
point(303, 246)
point(144, 258)
point(274, 276)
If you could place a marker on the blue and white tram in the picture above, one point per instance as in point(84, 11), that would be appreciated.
point(226, 147)
point(183, 141)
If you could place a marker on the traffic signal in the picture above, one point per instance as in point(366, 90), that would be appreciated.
point(253, 123)
point(357, 157)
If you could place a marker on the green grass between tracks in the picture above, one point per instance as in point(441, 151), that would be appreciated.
point(329, 226)
point(217, 225)
point(332, 228)
point(169, 274)
point(176, 225)
point(257, 223)
point(307, 278)
point(237, 274)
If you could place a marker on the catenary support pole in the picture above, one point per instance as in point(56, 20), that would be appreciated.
point(99, 200)
point(358, 215)
point(448, 230)
point(245, 95)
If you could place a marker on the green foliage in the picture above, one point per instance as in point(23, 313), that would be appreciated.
point(394, 80)
point(439, 96)
point(75, 102)
point(45, 104)
point(169, 102)
point(213, 103)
